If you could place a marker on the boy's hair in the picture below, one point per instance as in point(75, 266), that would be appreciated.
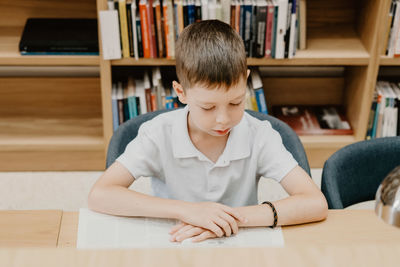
point(210, 53)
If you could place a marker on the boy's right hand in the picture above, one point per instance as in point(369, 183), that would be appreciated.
point(218, 218)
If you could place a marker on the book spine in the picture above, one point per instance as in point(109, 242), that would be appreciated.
point(292, 38)
point(180, 20)
point(160, 35)
point(130, 29)
point(247, 13)
point(260, 97)
point(287, 32)
point(152, 29)
point(273, 32)
point(233, 14)
point(237, 16)
point(124, 28)
point(144, 29)
point(139, 37)
point(197, 11)
point(281, 29)
point(109, 29)
point(268, 31)
point(185, 13)
point(191, 13)
point(134, 31)
point(169, 29)
point(261, 31)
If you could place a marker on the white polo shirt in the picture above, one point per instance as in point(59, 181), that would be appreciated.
point(164, 151)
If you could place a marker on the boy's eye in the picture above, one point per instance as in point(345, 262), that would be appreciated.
point(236, 104)
point(207, 108)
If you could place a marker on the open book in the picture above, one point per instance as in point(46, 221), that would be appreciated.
point(101, 231)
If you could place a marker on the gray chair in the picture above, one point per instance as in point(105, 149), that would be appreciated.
point(128, 131)
point(353, 174)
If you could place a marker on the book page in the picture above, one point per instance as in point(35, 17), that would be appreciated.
point(101, 231)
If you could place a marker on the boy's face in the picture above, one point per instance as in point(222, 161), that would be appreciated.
point(213, 112)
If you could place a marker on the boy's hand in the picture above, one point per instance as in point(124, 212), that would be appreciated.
point(218, 218)
point(184, 231)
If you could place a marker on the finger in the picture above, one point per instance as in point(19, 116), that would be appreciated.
point(177, 227)
point(203, 236)
point(224, 225)
point(232, 222)
point(213, 227)
point(180, 231)
point(234, 213)
point(190, 233)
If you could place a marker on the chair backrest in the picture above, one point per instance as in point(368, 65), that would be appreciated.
point(128, 131)
point(353, 173)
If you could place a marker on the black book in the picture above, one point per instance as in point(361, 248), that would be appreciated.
point(59, 37)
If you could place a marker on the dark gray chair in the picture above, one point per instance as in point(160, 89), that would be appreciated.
point(128, 131)
point(353, 173)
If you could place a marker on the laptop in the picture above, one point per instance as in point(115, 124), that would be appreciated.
point(55, 36)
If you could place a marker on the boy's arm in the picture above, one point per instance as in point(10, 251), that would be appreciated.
point(305, 203)
point(111, 195)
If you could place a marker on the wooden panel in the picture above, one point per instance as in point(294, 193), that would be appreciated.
point(321, 14)
point(15, 12)
point(29, 228)
point(52, 160)
point(68, 230)
point(303, 91)
point(50, 97)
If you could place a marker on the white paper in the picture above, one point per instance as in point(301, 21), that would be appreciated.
point(101, 231)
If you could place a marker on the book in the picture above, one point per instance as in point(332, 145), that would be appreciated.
point(260, 28)
point(281, 29)
point(130, 27)
point(140, 93)
point(197, 11)
point(204, 9)
point(114, 104)
point(147, 91)
point(139, 34)
point(191, 12)
point(152, 29)
point(159, 29)
point(247, 25)
point(120, 102)
point(144, 22)
point(303, 24)
point(314, 120)
point(53, 36)
point(109, 29)
point(169, 28)
point(258, 88)
point(124, 28)
point(132, 101)
point(269, 29)
point(292, 31)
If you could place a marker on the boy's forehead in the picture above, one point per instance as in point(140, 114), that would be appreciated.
point(207, 95)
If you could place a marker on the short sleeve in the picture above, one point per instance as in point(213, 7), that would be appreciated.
point(274, 160)
point(141, 156)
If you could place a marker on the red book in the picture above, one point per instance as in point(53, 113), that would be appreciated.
point(145, 28)
point(268, 31)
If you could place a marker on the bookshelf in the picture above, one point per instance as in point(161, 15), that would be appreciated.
point(345, 33)
point(47, 121)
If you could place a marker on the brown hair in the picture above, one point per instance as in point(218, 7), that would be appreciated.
point(210, 53)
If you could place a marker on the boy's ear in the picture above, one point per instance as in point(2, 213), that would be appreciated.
point(179, 91)
point(248, 73)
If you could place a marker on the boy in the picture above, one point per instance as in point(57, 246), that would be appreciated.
point(205, 160)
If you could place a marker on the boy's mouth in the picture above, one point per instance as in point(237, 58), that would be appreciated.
point(222, 132)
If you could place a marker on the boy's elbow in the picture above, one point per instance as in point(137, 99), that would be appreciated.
point(94, 199)
point(322, 207)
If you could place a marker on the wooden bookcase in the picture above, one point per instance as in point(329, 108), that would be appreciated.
point(346, 33)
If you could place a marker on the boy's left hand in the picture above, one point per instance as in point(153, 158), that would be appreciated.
point(184, 231)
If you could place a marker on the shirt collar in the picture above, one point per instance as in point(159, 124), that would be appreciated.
point(237, 146)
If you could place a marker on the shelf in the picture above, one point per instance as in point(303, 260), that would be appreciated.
point(10, 56)
point(389, 61)
point(326, 141)
point(51, 134)
point(333, 51)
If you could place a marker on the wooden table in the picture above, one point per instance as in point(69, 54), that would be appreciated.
point(346, 238)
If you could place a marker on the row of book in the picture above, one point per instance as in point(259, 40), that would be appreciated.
point(149, 28)
point(392, 34)
point(385, 111)
point(132, 97)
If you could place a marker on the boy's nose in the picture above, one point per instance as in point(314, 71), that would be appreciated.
point(222, 118)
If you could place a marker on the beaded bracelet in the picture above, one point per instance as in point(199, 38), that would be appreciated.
point(274, 212)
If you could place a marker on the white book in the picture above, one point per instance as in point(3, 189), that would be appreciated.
point(394, 31)
point(281, 28)
point(212, 13)
point(292, 38)
point(204, 9)
point(226, 11)
point(109, 31)
point(142, 95)
point(134, 30)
